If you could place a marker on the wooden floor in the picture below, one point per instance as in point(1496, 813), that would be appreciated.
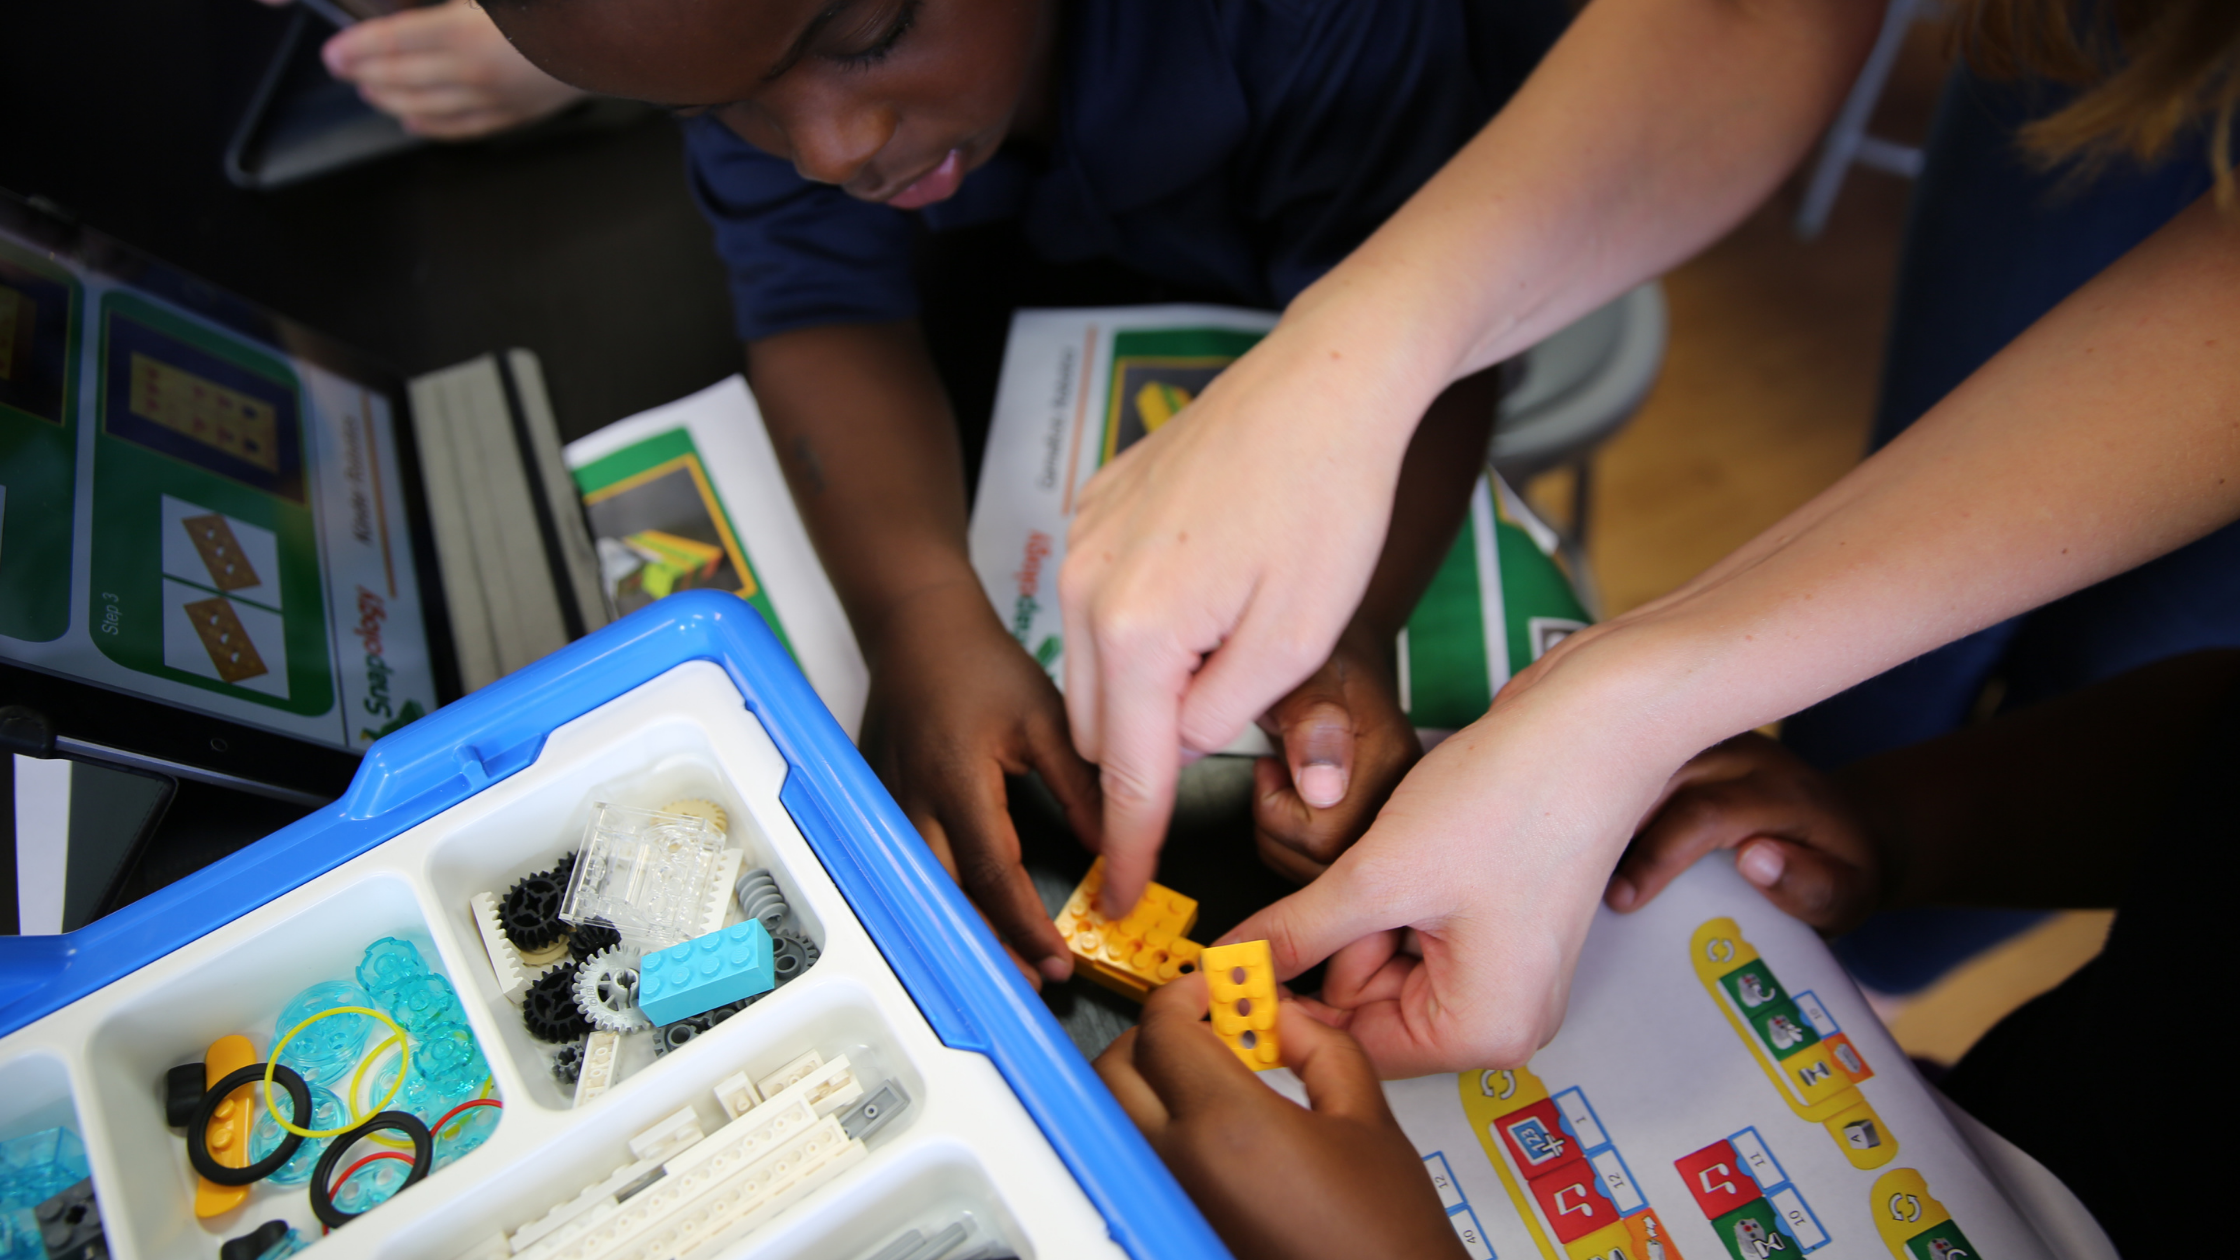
point(1767, 392)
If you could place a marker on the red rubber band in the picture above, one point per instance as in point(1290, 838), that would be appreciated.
point(337, 1186)
point(471, 1102)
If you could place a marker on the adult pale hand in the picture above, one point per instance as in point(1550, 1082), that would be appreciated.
point(445, 72)
point(1213, 566)
point(1453, 926)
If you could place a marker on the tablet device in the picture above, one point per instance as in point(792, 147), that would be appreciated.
point(218, 555)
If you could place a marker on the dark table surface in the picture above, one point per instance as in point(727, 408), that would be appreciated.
point(576, 239)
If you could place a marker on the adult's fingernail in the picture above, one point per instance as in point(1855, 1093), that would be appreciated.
point(1322, 784)
point(1761, 864)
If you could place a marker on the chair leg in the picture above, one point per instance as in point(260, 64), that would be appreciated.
point(1573, 539)
point(1849, 131)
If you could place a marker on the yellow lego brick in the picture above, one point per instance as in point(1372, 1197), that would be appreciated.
point(1242, 978)
point(1138, 953)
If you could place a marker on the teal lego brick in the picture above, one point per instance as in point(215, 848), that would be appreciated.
point(705, 972)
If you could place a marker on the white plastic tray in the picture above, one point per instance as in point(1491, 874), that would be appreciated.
point(965, 1144)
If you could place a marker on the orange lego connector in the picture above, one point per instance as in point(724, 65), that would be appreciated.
point(1242, 978)
point(1140, 952)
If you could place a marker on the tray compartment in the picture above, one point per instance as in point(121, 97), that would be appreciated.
point(647, 764)
point(239, 988)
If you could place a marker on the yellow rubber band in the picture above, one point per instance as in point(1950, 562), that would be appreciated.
point(403, 1042)
point(357, 1084)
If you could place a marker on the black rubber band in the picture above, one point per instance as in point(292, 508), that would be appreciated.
point(423, 1155)
point(198, 1128)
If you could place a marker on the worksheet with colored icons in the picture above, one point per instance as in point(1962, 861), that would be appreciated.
point(193, 515)
point(1721, 1091)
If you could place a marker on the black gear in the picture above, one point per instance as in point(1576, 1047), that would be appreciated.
point(791, 953)
point(549, 1008)
point(531, 912)
point(589, 938)
point(567, 1063)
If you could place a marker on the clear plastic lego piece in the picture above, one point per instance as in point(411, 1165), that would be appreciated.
point(644, 873)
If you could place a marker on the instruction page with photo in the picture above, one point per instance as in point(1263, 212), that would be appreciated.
point(197, 516)
point(1081, 386)
point(689, 496)
point(1721, 1091)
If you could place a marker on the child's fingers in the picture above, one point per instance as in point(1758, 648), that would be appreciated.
point(1179, 1055)
point(1073, 781)
point(1117, 1067)
point(1700, 818)
point(411, 31)
point(1806, 883)
point(1339, 1078)
point(985, 845)
point(937, 839)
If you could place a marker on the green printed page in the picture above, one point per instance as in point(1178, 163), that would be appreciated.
point(205, 557)
point(1500, 572)
point(39, 318)
point(660, 528)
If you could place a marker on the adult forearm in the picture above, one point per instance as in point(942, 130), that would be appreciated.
point(2106, 435)
point(1650, 129)
point(863, 431)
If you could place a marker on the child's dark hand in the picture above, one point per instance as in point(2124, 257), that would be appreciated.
point(1792, 832)
point(1274, 1178)
point(1346, 744)
point(955, 705)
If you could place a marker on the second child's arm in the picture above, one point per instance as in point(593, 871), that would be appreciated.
point(863, 430)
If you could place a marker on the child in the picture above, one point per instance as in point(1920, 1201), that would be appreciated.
point(1226, 149)
point(2122, 794)
point(1273, 1178)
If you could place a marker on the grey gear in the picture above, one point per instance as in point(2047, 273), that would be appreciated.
point(607, 990)
point(791, 953)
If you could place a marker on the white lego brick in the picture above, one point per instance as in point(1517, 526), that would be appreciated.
point(668, 1137)
point(737, 1095)
point(751, 1201)
point(728, 865)
point(770, 1086)
point(505, 960)
point(597, 1073)
point(682, 1211)
point(571, 1217)
point(748, 1138)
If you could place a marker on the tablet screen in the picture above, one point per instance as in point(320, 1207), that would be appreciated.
point(197, 505)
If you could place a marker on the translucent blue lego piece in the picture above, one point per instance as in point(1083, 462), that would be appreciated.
point(34, 1168)
point(466, 1131)
point(388, 963)
point(706, 972)
point(422, 1002)
point(266, 1134)
point(328, 1050)
point(371, 1186)
point(446, 1054)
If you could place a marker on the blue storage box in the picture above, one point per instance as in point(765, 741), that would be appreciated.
point(1006, 1127)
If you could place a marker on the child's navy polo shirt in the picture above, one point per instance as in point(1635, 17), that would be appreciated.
point(1230, 146)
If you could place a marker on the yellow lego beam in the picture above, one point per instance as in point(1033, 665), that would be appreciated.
point(1242, 978)
point(1139, 952)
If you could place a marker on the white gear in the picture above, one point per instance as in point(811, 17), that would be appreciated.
point(607, 990)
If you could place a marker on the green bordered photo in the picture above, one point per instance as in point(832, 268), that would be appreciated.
point(205, 560)
point(660, 527)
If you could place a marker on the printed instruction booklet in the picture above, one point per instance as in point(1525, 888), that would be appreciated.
point(1080, 386)
point(689, 496)
point(1721, 1091)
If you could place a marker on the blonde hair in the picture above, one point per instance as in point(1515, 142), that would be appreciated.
point(2151, 71)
